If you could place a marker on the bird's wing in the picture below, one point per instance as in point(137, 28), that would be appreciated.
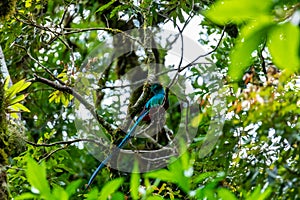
point(156, 100)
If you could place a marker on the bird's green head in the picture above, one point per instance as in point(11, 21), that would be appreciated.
point(157, 88)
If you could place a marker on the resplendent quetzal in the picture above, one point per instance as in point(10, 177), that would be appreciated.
point(156, 100)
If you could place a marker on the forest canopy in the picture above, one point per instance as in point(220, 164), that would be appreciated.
point(206, 94)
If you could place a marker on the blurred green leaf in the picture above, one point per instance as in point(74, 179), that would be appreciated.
point(135, 181)
point(105, 6)
point(36, 175)
point(252, 35)
point(257, 194)
point(26, 196)
point(118, 196)
point(155, 198)
point(204, 176)
point(59, 193)
point(237, 11)
point(225, 194)
point(110, 187)
point(162, 174)
point(71, 187)
point(196, 120)
point(6, 83)
point(283, 43)
point(93, 194)
point(178, 172)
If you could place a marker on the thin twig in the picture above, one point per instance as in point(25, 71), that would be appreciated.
point(65, 12)
point(62, 142)
point(201, 56)
point(156, 75)
point(263, 63)
point(68, 31)
point(40, 64)
point(53, 152)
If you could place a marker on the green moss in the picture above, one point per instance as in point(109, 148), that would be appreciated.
point(3, 157)
point(3, 154)
point(3, 124)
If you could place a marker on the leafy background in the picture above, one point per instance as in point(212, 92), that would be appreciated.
point(258, 55)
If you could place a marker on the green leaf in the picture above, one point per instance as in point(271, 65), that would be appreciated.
point(59, 193)
point(26, 196)
point(265, 194)
point(251, 37)
point(19, 107)
point(17, 99)
point(155, 198)
point(71, 188)
point(53, 96)
point(135, 181)
point(115, 11)
point(92, 195)
point(24, 86)
point(255, 194)
point(258, 195)
point(15, 88)
point(196, 120)
point(180, 15)
point(110, 187)
point(58, 97)
point(237, 11)
point(36, 175)
point(175, 175)
point(64, 100)
point(225, 194)
point(118, 196)
point(204, 176)
point(6, 83)
point(162, 174)
point(28, 3)
point(14, 115)
point(283, 43)
point(184, 158)
point(10, 92)
point(62, 74)
point(105, 6)
point(177, 171)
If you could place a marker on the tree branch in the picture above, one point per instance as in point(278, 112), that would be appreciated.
point(53, 152)
point(67, 31)
point(62, 142)
point(70, 90)
point(40, 64)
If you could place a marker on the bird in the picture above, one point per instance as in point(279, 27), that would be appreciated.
point(158, 98)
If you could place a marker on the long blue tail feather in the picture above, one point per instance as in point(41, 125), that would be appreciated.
point(121, 144)
point(129, 134)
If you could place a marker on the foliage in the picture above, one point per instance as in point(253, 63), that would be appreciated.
point(8, 7)
point(255, 48)
point(260, 27)
point(11, 101)
point(40, 189)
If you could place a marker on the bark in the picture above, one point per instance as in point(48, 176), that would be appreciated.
point(3, 130)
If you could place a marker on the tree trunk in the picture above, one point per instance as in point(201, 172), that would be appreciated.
point(3, 155)
point(3, 130)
